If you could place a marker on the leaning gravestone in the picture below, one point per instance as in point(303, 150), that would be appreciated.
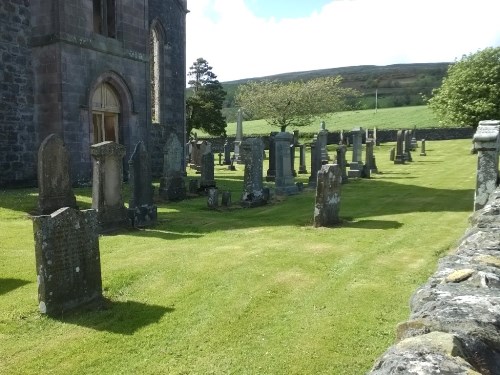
point(253, 189)
point(487, 144)
point(68, 262)
point(400, 157)
point(172, 184)
point(284, 182)
point(54, 182)
point(327, 204)
point(107, 185)
point(141, 210)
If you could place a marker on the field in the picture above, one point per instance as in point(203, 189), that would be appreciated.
point(245, 291)
point(385, 118)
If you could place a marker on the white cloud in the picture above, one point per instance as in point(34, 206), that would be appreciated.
point(345, 32)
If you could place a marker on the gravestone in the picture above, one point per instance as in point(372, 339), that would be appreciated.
point(341, 137)
point(284, 181)
point(226, 199)
point(422, 148)
point(227, 153)
point(68, 262)
point(207, 178)
point(141, 210)
point(487, 144)
point(392, 154)
point(370, 164)
point(375, 139)
point(212, 198)
point(413, 140)
point(302, 159)
point(292, 159)
point(407, 145)
point(194, 186)
point(253, 189)
point(315, 162)
point(54, 181)
point(327, 202)
point(107, 181)
point(342, 163)
point(356, 166)
point(172, 184)
point(199, 149)
point(323, 142)
point(271, 172)
point(239, 136)
point(400, 157)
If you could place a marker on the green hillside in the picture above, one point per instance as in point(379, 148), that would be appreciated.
point(396, 85)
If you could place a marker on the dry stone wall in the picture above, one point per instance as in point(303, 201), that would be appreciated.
point(454, 325)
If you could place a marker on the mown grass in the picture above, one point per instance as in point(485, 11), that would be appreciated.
point(244, 291)
point(385, 118)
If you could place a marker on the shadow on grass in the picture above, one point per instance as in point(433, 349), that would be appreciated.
point(372, 224)
point(8, 285)
point(122, 318)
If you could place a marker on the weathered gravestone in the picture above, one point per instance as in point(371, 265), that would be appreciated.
point(226, 199)
point(239, 136)
point(107, 181)
point(199, 149)
point(323, 143)
point(407, 145)
point(327, 203)
point(253, 189)
point(400, 157)
point(213, 198)
point(370, 163)
point(207, 178)
point(172, 184)
point(141, 210)
point(68, 262)
point(342, 163)
point(487, 144)
point(284, 182)
point(413, 140)
point(422, 148)
point(302, 159)
point(315, 162)
point(271, 172)
point(356, 166)
point(54, 181)
point(227, 153)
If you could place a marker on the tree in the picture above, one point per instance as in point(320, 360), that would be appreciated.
point(295, 103)
point(470, 91)
point(204, 107)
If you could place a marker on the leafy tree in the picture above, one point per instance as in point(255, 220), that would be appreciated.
point(204, 107)
point(470, 91)
point(295, 103)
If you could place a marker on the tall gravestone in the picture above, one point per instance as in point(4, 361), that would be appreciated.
point(271, 171)
point(323, 143)
point(302, 159)
point(107, 181)
point(284, 182)
point(207, 178)
point(327, 202)
point(399, 157)
point(342, 163)
point(172, 184)
point(487, 144)
point(370, 165)
point(356, 166)
point(422, 148)
point(407, 145)
point(68, 262)
point(253, 189)
point(54, 181)
point(141, 210)
point(239, 136)
point(413, 139)
point(227, 153)
point(315, 162)
point(375, 139)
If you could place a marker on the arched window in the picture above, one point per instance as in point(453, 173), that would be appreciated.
point(154, 62)
point(105, 110)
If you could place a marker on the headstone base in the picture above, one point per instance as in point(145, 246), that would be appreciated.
point(143, 216)
point(286, 190)
point(354, 173)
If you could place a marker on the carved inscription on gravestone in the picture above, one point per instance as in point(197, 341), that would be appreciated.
point(68, 263)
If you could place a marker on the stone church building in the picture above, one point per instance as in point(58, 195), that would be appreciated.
point(89, 71)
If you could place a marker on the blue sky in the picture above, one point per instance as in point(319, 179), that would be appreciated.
point(254, 38)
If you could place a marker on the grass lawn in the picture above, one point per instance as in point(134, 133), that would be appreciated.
point(245, 291)
point(385, 118)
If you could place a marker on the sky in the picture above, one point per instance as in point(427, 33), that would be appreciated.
point(254, 38)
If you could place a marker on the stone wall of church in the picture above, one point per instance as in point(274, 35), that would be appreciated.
point(17, 133)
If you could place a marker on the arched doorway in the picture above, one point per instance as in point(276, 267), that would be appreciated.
point(105, 112)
